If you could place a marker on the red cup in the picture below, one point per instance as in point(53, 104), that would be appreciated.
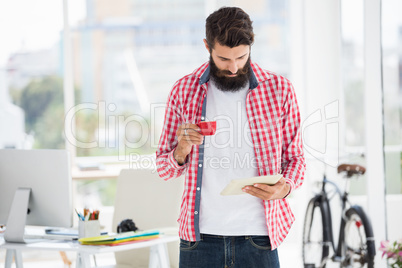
point(207, 128)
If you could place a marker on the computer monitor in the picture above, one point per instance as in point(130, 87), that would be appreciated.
point(35, 189)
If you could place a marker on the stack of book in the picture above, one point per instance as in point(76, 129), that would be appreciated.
point(120, 239)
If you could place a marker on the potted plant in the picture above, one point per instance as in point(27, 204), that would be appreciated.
point(393, 252)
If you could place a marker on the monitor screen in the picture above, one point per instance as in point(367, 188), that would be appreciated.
point(47, 174)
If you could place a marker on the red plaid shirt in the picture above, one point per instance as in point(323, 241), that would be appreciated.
point(274, 120)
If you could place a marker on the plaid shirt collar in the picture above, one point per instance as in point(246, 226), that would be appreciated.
point(257, 74)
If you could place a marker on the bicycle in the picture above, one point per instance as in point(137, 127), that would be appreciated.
point(355, 247)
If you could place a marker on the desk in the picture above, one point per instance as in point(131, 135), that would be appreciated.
point(158, 254)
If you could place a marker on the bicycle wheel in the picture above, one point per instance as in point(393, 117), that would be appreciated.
point(315, 250)
point(358, 241)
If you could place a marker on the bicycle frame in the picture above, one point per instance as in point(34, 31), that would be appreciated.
point(326, 207)
point(355, 246)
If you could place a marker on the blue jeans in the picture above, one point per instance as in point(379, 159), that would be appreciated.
point(228, 251)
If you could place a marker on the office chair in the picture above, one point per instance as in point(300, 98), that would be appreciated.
point(152, 203)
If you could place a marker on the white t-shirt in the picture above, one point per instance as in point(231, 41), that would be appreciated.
point(229, 155)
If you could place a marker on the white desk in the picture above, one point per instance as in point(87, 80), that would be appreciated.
point(159, 256)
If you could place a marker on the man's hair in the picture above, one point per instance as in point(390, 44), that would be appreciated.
point(229, 26)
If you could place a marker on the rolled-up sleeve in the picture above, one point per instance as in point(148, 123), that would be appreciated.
point(167, 167)
point(293, 162)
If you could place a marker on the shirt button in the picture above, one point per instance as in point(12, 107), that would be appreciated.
point(252, 125)
point(261, 171)
point(195, 212)
point(198, 188)
point(200, 165)
point(257, 150)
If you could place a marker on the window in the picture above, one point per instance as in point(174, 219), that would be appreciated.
point(126, 57)
point(353, 121)
point(392, 81)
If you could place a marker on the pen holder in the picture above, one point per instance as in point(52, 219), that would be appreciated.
point(88, 228)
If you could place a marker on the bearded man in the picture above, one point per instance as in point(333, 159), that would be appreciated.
point(258, 134)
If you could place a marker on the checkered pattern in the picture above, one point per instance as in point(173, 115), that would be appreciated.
point(274, 121)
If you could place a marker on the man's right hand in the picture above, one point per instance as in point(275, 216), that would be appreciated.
point(187, 135)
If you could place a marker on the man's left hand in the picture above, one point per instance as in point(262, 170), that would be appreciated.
point(269, 192)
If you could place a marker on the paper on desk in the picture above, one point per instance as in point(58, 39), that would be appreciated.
point(119, 237)
point(234, 187)
point(121, 241)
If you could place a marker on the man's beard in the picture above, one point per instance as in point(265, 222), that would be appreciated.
point(229, 84)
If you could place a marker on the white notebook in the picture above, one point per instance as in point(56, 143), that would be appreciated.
point(234, 187)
